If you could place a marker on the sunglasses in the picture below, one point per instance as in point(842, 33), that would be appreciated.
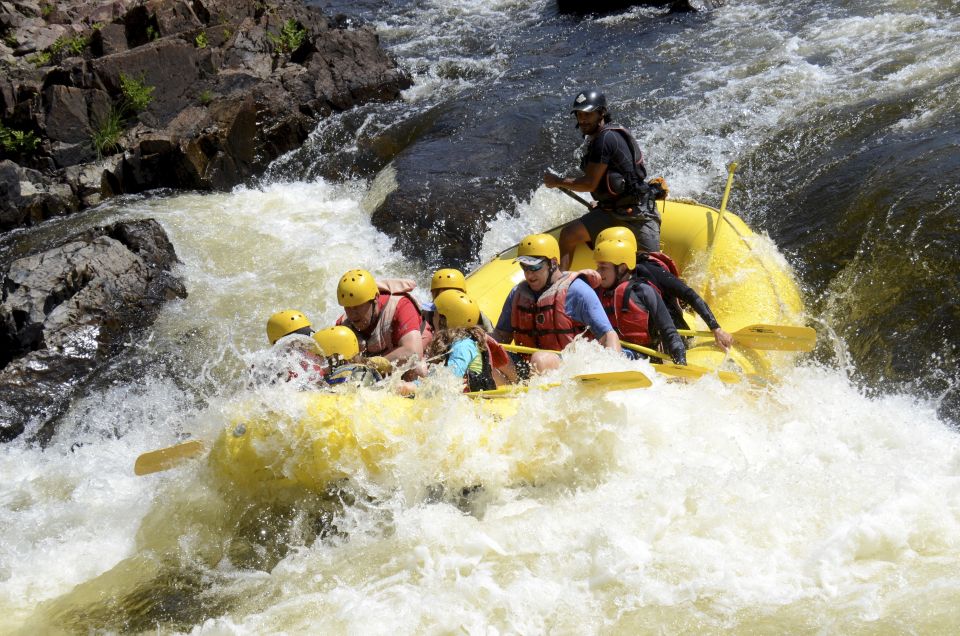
point(532, 268)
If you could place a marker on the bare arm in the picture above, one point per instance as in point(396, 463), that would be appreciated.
point(589, 182)
point(411, 343)
point(611, 340)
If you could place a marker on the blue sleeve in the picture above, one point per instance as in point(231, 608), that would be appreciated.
point(503, 322)
point(583, 305)
point(462, 354)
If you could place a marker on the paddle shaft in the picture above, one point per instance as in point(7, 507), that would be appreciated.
point(570, 193)
point(768, 337)
point(726, 197)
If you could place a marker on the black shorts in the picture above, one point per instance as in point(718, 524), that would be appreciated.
point(522, 363)
point(646, 230)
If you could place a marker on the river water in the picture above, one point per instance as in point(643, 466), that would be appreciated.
point(828, 503)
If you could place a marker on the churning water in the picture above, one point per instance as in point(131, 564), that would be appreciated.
point(827, 503)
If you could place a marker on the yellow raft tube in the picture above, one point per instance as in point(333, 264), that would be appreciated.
point(322, 437)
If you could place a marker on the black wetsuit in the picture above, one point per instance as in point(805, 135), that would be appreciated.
point(661, 323)
point(674, 289)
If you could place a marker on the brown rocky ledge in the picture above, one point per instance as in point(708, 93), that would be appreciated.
point(101, 98)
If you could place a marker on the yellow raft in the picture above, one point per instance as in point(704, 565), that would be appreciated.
point(741, 276)
point(312, 440)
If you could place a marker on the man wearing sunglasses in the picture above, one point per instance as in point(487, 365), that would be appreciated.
point(550, 307)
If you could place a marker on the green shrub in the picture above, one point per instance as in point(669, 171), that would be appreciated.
point(201, 40)
point(18, 142)
point(205, 98)
point(137, 95)
point(40, 58)
point(106, 135)
point(291, 37)
point(152, 33)
point(73, 46)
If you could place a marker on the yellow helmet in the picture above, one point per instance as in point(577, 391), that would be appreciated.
point(617, 232)
point(458, 308)
point(542, 245)
point(356, 287)
point(284, 323)
point(616, 252)
point(448, 279)
point(339, 341)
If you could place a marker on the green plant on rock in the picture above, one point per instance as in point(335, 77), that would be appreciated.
point(71, 46)
point(106, 135)
point(18, 142)
point(137, 95)
point(152, 33)
point(40, 58)
point(291, 37)
point(201, 40)
point(206, 97)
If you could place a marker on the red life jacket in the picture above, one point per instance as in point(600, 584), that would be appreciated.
point(630, 320)
point(542, 321)
point(664, 261)
point(380, 341)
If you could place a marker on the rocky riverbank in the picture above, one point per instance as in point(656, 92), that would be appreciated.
point(103, 98)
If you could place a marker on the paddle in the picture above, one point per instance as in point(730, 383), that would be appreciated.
point(165, 458)
point(570, 193)
point(669, 368)
point(680, 370)
point(723, 205)
point(610, 381)
point(768, 337)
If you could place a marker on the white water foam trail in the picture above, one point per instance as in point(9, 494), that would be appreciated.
point(676, 507)
point(683, 507)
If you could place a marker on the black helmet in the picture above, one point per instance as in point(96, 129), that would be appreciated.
point(589, 101)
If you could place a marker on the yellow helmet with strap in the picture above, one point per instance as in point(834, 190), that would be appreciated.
point(448, 279)
point(616, 252)
point(284, 323)
point(624, 234)
point(458, 308)
point(356, 287)
point(542, 245)
point(339, 341)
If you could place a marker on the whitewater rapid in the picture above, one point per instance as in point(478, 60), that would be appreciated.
point(688, 507)
point(810, 506)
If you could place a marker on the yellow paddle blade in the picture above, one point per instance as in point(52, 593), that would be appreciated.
point(614, 380)
point(610, 381)
point(693, 372)
point(768, 337)
point(166, 458)
point(779, 337)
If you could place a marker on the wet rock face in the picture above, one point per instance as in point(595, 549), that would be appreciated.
point(64, 311)
point(135, 95)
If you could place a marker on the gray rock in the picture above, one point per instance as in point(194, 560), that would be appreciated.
point(66, 310)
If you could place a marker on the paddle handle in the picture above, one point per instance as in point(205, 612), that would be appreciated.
point(570, 193)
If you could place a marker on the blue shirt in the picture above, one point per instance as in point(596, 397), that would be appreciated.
point(582, 304)
point(462, 354)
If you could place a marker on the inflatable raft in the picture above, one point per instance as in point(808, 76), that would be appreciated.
point(325, 437)
point(741, 275)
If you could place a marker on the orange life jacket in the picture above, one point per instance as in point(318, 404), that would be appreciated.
point(542, 321)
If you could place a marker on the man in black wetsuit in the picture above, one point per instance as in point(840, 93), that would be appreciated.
point(655, 268)
point(615, 175)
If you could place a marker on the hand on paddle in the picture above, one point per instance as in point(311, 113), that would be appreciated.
point(723, 339)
